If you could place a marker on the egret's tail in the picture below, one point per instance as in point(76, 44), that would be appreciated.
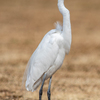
point(32, 85)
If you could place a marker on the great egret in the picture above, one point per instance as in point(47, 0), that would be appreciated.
point(49, 55)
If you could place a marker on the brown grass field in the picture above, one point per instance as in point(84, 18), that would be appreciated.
point(23, 23)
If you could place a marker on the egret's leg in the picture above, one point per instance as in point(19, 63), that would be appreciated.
point(40, 92)
point(48, 92)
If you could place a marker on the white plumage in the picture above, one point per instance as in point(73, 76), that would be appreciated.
point(49, 55)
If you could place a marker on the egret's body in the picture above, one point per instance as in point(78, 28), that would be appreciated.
point(49, 55)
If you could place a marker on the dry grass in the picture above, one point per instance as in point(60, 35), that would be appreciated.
point(22, 26)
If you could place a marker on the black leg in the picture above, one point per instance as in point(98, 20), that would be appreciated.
point(48, 92)
point(40, 92)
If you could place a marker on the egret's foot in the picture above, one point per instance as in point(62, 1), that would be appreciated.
point(40, 92)
point(48, 94)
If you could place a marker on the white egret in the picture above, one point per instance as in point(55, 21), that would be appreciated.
point(49, 55)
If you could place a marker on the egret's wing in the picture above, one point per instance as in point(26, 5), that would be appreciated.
point(43, 58)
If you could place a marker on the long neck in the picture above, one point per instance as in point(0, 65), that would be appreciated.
point(66, 17)
point(66, 32)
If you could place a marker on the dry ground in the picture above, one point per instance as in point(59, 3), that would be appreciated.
point(23, 23)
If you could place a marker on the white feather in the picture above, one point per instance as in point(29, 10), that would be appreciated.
point(58, 26)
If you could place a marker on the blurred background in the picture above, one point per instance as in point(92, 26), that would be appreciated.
point(23, 23)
